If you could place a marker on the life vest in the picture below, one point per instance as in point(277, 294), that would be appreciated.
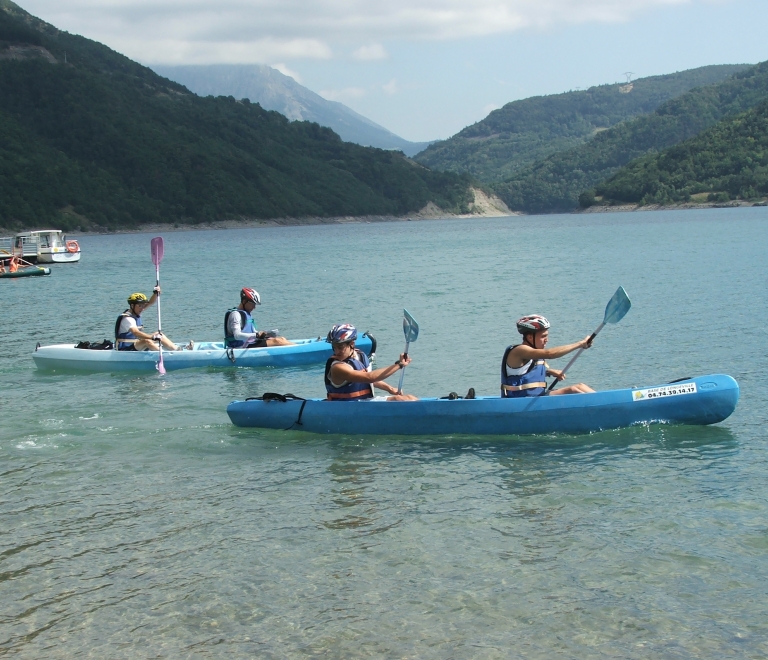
point(349, 391)
point(126, 340)
point(528, 380)
point(247, 326)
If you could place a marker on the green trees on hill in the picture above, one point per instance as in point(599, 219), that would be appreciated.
point(525, 131)
point(555, 183)
point(727, 161)
point(105, 141)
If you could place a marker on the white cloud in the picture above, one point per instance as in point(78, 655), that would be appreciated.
point(345, 94)
point(488, 109)
point(372, 52)
point(249, 31)
point(391, 87)
point(180, 51)
point(286, 71)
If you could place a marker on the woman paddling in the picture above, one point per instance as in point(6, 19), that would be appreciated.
point(523, 368)
point(348, 372)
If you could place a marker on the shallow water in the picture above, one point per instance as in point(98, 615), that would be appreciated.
point(137, 522)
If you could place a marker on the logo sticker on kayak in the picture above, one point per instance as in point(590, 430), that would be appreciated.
point(666, 390)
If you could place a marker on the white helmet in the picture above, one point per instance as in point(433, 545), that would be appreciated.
point(532, 324)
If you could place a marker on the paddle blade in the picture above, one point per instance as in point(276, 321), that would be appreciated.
point(617, 306)
point(410, 327)
point(160, 365)
point(157, 250)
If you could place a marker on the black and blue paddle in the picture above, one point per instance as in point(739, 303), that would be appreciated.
point(411, 332)
point(615, 310)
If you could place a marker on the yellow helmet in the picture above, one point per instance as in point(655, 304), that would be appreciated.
point(137, 298)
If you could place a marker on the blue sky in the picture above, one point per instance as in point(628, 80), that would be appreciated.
point(426, 68)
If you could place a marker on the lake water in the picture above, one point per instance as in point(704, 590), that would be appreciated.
point(135, 521)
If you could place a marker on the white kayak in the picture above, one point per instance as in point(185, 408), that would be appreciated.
point(65, 357)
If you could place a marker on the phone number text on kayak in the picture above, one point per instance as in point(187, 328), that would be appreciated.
point(661, 392)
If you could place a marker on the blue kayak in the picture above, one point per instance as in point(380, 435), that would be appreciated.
point(65, 357)
point(701, 400)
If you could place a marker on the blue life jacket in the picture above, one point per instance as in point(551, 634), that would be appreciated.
point(350, 391)
point(126, 345)
point(247, 325)
point(531, 382)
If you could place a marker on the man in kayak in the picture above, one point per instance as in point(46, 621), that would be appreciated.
point(129, 332)
point(523, 368)
point(240, 327)
point(348, 372)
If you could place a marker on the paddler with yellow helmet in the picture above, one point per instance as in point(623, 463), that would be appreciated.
point(129, 332)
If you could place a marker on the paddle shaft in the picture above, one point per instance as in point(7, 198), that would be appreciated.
point(160, 365)
point(576, 357)
point(402, 371)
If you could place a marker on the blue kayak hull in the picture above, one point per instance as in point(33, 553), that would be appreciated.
point(701, 400)
point(65, 357)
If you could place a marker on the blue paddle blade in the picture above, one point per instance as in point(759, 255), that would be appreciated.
point(617, 306)
point(410, 327)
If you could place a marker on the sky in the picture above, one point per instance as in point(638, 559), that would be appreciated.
point(425, 69)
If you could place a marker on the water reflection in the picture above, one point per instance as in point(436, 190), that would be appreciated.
point(351, 473)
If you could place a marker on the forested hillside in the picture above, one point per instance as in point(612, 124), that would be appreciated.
point(88, 137)
point(554, 184)
point(525, 131)
point(727, 161)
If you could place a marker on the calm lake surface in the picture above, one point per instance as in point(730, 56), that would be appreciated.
point(135, 521)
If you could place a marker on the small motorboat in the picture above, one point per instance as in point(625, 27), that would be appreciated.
point(67, 357)
point(46, 246)
point(700, 400)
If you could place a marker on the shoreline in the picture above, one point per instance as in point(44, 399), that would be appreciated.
point(483, 206)
point(681, 206)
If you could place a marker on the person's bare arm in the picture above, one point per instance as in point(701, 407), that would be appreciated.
point(344, 372)
point(521, 354)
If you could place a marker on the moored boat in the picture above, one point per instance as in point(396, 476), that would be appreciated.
point(66, 357)
point(42, 246)
point(701, 400)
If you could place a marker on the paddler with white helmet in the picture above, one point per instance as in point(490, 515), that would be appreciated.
point(523, 368)
point(240, 327)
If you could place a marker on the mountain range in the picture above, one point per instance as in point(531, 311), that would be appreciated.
point(525, 131)
point(89, 139)
point(273, 90)
point(554, 183)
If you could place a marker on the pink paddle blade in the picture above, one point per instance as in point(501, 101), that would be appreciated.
point(160, 365)
point(157, 250)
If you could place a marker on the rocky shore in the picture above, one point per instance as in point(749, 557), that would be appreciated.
point(604, 208)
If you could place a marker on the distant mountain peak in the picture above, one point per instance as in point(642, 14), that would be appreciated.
point(274, 90)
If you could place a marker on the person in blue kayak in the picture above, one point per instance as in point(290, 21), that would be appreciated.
point(523, 368)
point(240, 327)
point(349, 375)
point(129, 329)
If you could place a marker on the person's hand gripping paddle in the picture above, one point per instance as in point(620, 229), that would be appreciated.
point(615, 310)
point(157, 257)
point(411, 332)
